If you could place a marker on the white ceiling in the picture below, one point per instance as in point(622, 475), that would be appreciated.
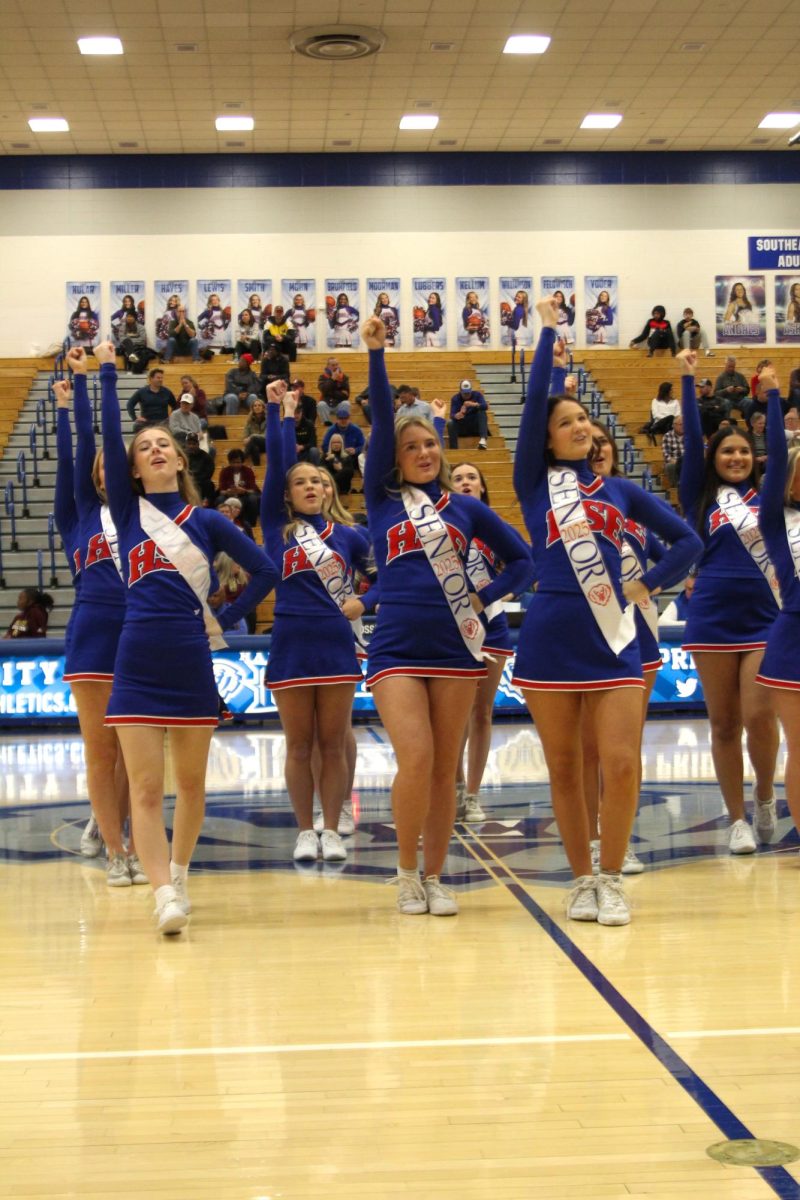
point(608, 55)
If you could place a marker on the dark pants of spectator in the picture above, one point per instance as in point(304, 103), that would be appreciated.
point(653, 428)
point(311, 454)
point(252, 346)
point(136, 357)
point(672, 470)
point(343, 477)
point(182, 346)
point(254, 447)
point(474, 423)
point(286, 345)
point(659, 341)
point(367, 411)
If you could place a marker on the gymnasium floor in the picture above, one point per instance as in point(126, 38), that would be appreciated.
point(303, 1039)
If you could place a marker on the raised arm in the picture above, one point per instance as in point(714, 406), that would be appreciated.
point(380, 460)
point(288, 431)
point(121, 496)
point(690, 485)
point(558, 376)
point(64, 510)
point(273, 508)
point(85, 492)
point(529, 461)
point(437, 416)
point(774, 482)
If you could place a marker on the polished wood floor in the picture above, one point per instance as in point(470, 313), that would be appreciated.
point(303, 1039)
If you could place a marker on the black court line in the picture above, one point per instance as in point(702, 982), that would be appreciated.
point(782, 1183)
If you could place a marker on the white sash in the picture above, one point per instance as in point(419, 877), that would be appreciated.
point(112, 541)
point(187, 559)
point(446, 566)
point(745, 522)
point(617, 625)
point(791, 518)
point(337, 583)
point(479, 577)
point(632, 569)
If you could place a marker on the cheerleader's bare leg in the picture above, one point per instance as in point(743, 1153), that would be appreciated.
point(321, 713)
point(334, 705)
point(616, 714)
point(591, 773)
point(450, 703)
point(296, 710)
point(101, 749)
point(760, 724)
point(557, 717)
point(143, 750)
point(479, 727)
point(188, 749)
point(787, 706)
point(719, 675)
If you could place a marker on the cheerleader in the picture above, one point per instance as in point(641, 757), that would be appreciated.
point(433, 321)
point(779, 520)
point(425, 657)
point(390, 316)
point(577, 645)
point(343, 321)
point(163, 673)
point(734, 605)
point(313, 669)
point(300, 319)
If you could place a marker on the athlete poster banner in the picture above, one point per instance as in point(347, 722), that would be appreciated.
point(168, 295)
point(516, 310)
point(430, 313)
point(213, 306)
point(472, 303)
point(299, 300)
point(740, 303)
point(383, 300)
point(83, 313)
point(600, 293)
point(787, 308)
point(562, 289)
point(254, 296)
point(342, 312)
point(126, 299)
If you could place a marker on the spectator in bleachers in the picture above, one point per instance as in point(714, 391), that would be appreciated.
point(255, 432)
point(189, 384)
point(279, 332)
point(201, 469)
point(305, 437)
point(304, 401)
point(794, 387)
point(155, 401)
point(362, 399)
point(672, 449)
point(690, 335)
point(184, 420)
point(242, 385)
point(731, 387)
point(236, 481)
point(765, 362)
point(791, 427)
point(664, 408)
point(181, 337)
point(409, 404)
point(468, 416)
point(233, 507)
point(758, 428)
point(34, 608)
point(339, 462)
point(677, 609)
point(712, 410)
point(334, 389)
point(759, 403)
point(657, 332)
point(232, 580)
point(274, 365)
point(132, 345)
point(351, 435)
point(248, 336)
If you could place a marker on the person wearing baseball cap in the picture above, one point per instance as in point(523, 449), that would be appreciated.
point(468, 416)
point(712, 410)
point(352, 436)
point(184, 421)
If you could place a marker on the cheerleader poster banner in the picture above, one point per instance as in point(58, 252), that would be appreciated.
point(601, 294)
point(254, 296)
point(213, 312)
point(472, 299)
point(126, 298)
point(299, 300)
point(516, 310)
point(787, 308)
point(83, 313)
point(342, 305)
point(740, 307)
point(383, 300)
point(430, 313)
point(168, 295)
point(562, 288)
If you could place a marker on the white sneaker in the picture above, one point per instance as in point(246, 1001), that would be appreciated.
point(411, 897)
point(631, 865)
point(171, 917)
point(333, 848)
point(710, 354)
point(461, 805)
point(347, 825)
point(612, 903)
point(91, 842)
point(306, 848)
point(740, 838)
point(319, 823)
point(473, 812)
point(582, 899)
point(117, 874)
point(482, 443)
point(182, 893)
point(136, 870)
point(594, 850)
point(441, 901)
point(764, 817)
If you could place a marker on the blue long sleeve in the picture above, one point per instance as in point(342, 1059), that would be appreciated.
point(289, 443)
point(693, 467)
point(558, 378)
point(529, 463)
point(121, 497)
point(86, 496)
point(262, 571)
point(381, 456)
point(273, 508)
point(518, 571)
point(774, 483)
point(64, 509)
point(685, 547)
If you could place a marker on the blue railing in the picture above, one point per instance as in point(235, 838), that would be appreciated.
point(627, 456)
point(8, 503)
point(594, 404)
point(51, 400)
point(611, 421)
point(647, 480)
point(583, 382)
point(41, 423)
point(34, 455)
point(40, 570)
point(22, 480)
point(95, 404)
point(51, 547)
point(2, 572)
point(522, 374)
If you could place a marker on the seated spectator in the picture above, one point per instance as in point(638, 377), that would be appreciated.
point(352, 437)
point(664, 408)
point(255, 432)
point(201, 469)
point(248, 336)
point(237, 482)
point(765, 362)
point(181, 337)
point(677, 609)
point(657, 333)
point(242, 386)
point(468, 416)
point(758, 428)
point(136, 354)
point(155, 401)
point(273, 366)
point(232, 580)
point(362, 400)
point(794, 387)
point(184, 421)
point(334, 389)
point(233, 508)
point(410, 405)
point(712, 410)
point(690, 335)
point(791, 426)
point(279, 332)
point(672, 449)
point(305, 432)
point(759, 403)
point(189, 384)
point(340, 464)
point(306, 402)
point(30, 621)
point(362, 458)
point(731, 387)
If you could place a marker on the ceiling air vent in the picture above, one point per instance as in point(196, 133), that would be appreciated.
point(186, 47)
point(442, 47)
point(552, 141)
point(337, 43)
point(693, 47)
point(656, 141)
point(20, 145)
point(234, 145)
point(447, 142)
point(127, 145)
point(342, 142)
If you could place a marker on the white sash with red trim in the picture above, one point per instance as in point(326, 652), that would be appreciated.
point(188, 560)
point(791, 518)
point(617, 625)
point(337, 583)
point(745, 522)
point(112, 541)
point(446, 566)
point(631, 569)
point(479, 576)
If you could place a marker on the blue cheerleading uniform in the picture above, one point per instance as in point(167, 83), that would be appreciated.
point(163, 674)
point(415, 633)
point(780, 666)
point(561, 647)
point(647, 549)
point(65, 512)
point(100, 607)
point(732, 607)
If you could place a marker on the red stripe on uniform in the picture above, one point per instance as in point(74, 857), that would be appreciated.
point(721, 647)
point(594, 685)
point(315, 681)
point(428, 672)
point(655, 665)
point(88, 677)
point(496, 650)
point(788, 685)
point(163, 722)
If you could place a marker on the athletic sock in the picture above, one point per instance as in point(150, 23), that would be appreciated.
point(178, 872)
point(164, 894)
point(408, 873)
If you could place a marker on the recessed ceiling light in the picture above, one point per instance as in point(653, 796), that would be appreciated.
point(417, 121)
point(229, 124)
point(780, 120)
point(601, 121)
point(100, 45)
point(693, 47)
point(526, 43)
point(48, 125)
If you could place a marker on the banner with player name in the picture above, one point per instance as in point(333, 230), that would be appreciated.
point(342, 313)
point(740, 304)
point(299, 300)
point(516, 310)
point(83, 313)
point(600, 294)
point(472, 304)
point(429, 299)
point(254, 296)
point(383, 300)
point(787, 308)
point(562, 288)
point(213, 313)
point(127, 298)
point(168, 294)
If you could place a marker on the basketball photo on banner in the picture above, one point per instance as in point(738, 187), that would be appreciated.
point(383, 300)
point(430, 313)
point(168, 296)
point(342, 302)
point(126, 300)
point(562, 289)
point(83, 314)
point(213, 299)
point(516, 310)
point(740, 303)
point(299, 302)
point(472, 299)
point(787, 308)
point(600, 295)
